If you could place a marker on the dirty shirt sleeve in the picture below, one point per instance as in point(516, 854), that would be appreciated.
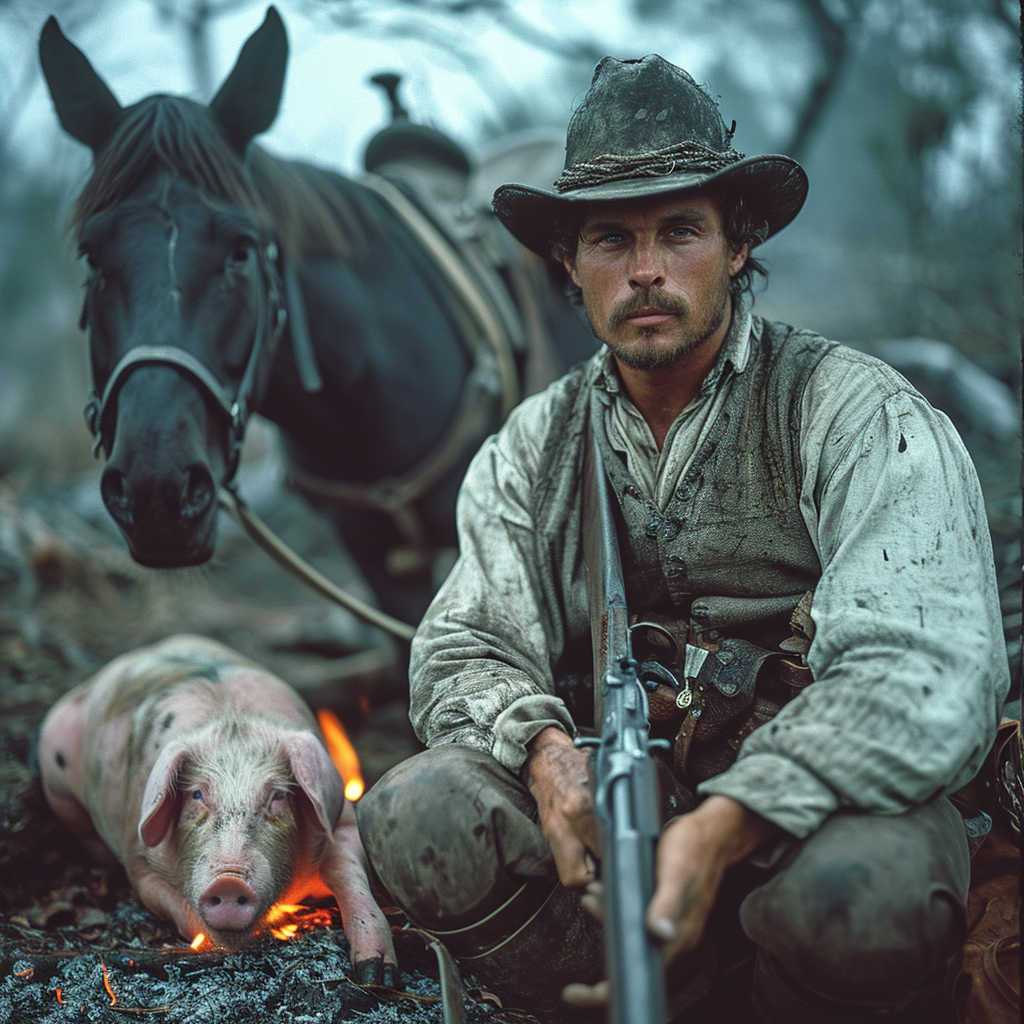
point(480, 671)
point(908, 656)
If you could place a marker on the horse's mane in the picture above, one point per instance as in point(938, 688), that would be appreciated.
point(310, 211)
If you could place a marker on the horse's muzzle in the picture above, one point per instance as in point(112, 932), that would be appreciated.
point(168, 521)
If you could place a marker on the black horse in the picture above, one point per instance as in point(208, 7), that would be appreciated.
point(223, 280)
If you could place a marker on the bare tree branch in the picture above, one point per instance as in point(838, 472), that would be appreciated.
point(833, 38)
point(360, 15)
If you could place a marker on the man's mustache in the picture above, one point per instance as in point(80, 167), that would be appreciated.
point(652, 297)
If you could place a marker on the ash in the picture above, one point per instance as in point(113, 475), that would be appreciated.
point(303, 980)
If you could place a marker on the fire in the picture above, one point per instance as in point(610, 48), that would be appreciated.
point(342, 754)
point(286, 920)
point(197, 942)
point(106, 985)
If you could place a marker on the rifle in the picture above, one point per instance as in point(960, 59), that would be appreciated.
point(625, 777)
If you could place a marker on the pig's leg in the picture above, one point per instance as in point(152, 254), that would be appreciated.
point(75, 818)
point(159, 897)
point(369, 935)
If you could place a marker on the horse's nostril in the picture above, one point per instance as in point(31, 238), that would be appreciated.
point(114, 490)
point(197, 494)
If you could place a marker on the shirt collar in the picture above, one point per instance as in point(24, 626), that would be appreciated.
point(732, 357)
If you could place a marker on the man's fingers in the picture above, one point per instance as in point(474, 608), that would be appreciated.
point(586, 995)
point(573, 861)
point(593, 900)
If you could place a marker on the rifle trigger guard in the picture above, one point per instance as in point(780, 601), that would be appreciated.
point(652, 672)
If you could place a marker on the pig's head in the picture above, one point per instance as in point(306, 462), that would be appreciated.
point(241, 804)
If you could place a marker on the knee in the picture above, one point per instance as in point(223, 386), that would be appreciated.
point(417, 811)
point(447, 831)
point(849, 928)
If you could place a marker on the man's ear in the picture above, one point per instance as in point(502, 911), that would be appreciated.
point(570, 266)
point(738, 259)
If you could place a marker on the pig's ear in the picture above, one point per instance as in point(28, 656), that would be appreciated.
point(160, 799)
point(315, 773)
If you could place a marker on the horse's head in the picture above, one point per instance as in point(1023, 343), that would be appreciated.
point(183, 302)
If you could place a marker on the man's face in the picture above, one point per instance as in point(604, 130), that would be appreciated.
point(654, 273)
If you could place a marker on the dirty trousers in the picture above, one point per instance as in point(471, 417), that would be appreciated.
point(857, 920)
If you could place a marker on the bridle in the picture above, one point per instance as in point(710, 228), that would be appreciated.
point(237, 403)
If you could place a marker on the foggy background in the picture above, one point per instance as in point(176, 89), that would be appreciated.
point(905, 113)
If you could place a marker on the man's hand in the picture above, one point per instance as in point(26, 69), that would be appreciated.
point(558, 778)
point(693, 854)
point(692, 857)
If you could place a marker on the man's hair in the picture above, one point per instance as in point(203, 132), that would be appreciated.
point(739, 225)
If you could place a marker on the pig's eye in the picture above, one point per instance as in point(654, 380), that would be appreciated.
point(277, 801)
point(197, 794)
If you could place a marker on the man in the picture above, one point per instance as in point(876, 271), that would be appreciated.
point(752, 464)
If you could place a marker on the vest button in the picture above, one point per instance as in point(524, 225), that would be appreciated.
point(687, 489)
point(652, 527)
point(674, 566)
point(670, 532)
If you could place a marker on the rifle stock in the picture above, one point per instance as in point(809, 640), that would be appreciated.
point(626, 784)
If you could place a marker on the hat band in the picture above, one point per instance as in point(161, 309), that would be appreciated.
point(684, 156)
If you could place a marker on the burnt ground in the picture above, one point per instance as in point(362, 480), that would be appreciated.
point(70, 600)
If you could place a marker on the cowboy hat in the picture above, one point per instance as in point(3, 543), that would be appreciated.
point(646, 128)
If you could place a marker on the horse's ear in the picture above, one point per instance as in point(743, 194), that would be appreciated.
point(87, 109)
point(248, 100)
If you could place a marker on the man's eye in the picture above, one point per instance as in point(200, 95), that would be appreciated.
point(612, 238)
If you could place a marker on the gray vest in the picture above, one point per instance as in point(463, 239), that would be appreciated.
point(731, 550)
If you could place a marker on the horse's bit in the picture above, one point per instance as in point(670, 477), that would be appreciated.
point(236, 405)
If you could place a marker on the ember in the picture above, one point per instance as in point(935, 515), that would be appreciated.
point(342, 754)
point(198, 941)
point(286, 920)
point(106, 984)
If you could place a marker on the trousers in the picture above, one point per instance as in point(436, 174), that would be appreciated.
point(856, 921)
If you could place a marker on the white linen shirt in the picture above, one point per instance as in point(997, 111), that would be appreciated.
point(908, 658)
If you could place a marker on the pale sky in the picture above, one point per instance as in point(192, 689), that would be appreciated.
point(329, 111)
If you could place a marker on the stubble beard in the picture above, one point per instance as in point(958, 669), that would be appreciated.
point(638, 348)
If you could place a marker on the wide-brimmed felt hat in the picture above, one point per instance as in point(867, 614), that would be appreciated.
point(645, 128)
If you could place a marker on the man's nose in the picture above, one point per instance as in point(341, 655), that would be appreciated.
point(647, 270)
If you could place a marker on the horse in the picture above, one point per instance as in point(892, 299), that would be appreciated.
point(224, 281)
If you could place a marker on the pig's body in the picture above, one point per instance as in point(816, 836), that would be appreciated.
point(207, 777)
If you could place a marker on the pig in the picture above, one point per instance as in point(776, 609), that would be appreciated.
point(208, 779)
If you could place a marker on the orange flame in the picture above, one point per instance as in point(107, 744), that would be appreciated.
point(106, 985)
point(342, 754)
point(286, 920)
point(60, 995)
point(197, 942)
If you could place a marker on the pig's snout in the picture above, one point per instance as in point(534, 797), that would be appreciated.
point(229, 905)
